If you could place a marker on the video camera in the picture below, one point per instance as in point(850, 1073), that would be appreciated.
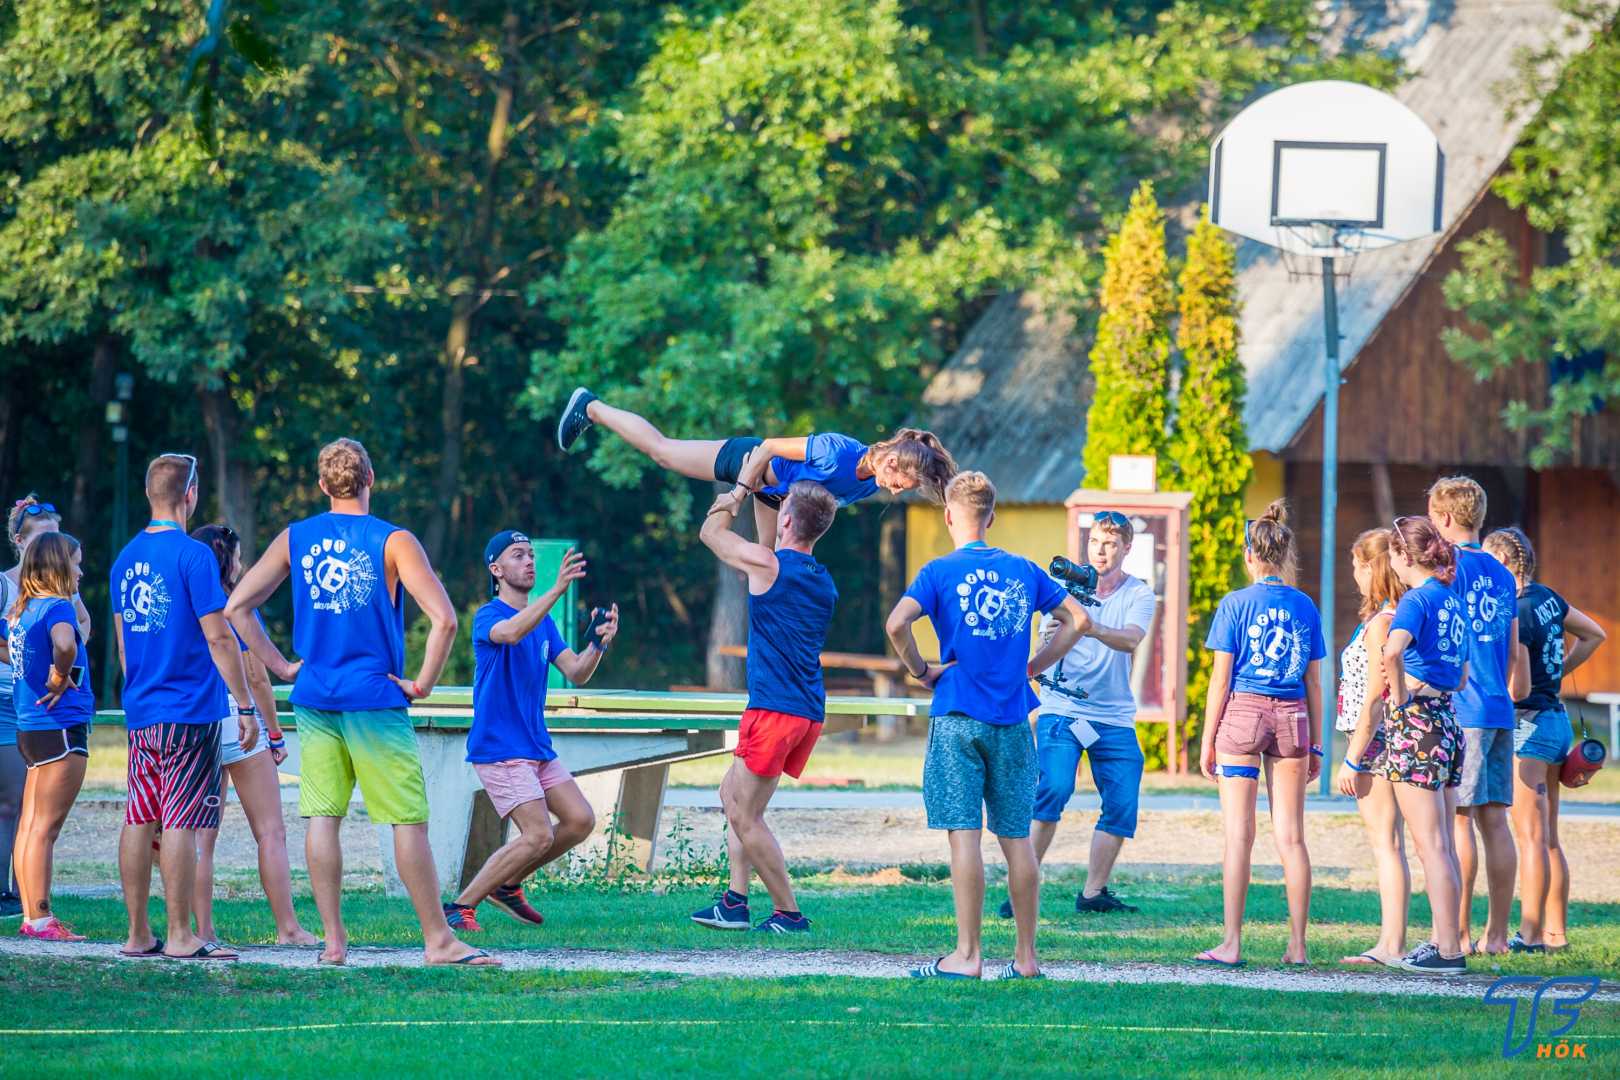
point(1080, 579)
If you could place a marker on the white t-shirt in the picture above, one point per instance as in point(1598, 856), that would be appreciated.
point(1103, 673)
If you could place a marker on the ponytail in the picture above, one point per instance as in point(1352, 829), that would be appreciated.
point(921, 455)
point(1420, 542)
point(1269, 539)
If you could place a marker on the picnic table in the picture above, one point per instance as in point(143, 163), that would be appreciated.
point(638, 733)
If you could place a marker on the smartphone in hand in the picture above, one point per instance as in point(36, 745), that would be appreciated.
point(598, 617)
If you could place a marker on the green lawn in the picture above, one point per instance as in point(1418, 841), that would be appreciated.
point(911, 917)
point(159, 1020)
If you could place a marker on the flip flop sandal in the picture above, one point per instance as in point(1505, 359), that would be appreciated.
point(1011, 972)
point(932, 970)
point(1366, 959)
point(209, 950)
point(155, 950)
point(1214, 961)
point(470, 960)
point(322, 961)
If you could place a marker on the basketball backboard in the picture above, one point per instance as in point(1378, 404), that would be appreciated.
point(1327, 169)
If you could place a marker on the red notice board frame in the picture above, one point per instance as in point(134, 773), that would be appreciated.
point(1166, 518)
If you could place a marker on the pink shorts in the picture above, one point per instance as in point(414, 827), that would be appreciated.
point(512, 783)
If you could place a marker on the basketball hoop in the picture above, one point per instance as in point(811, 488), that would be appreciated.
point(1323, 171)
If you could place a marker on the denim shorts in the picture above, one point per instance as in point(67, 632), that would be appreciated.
point(1116, 766)
point(1544, 734)
point(976, 770)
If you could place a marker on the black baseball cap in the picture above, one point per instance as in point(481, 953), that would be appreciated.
point(497, 547)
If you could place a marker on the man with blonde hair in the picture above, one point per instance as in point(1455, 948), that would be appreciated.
point(350, 697)
point(981, 756)
point(1496, 678)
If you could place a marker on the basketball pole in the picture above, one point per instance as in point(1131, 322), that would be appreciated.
point(1330, 507)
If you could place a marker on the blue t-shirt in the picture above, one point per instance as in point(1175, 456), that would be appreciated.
point(29, 638)
point(1273, 632)
point(787, 629)
point(981, 601)
point(1490, 599)
point(347, 629)
point(163, 583)
point(509, 689)
point(1433, 615)
point(830, 460)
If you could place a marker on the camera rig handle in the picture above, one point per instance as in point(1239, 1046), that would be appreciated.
point(1073, 693)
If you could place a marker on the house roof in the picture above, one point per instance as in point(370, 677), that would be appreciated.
point(1012, 399)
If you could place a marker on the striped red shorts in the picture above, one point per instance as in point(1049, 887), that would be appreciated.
point(174, 776)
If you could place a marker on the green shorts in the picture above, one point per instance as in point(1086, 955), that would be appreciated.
point(376, 747)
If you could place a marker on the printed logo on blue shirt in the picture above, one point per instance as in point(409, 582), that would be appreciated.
point(17, 642)
point(1277, 645)
point(993, 608)
point(1487, 615)
point(340, 579)
point(144, 598)
point(1453, 631)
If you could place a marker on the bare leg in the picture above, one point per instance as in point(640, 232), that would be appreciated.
point(1024, 888)
point(745, 799)
point(765, 523)
point(1237, 820)
point(177, 862)
point(741, 870)
point(1286, 779)
point(1555, 929)
point(323, 853)
point(1501, 870)
point(202, 899)
point(1530, 824)
point(689, 457)
point(51, 789)
point(526, 849)
point(1040, 837)
point(1462, 842)
point(135, 874)
point(1105, 849)
point(259, 787)
point(967, 889)
point(414, 860)
point(25, 825)
point(1430, 820)
point(1386, 837)
point(575, 821)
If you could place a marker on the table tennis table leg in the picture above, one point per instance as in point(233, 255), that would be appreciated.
point(641, 802)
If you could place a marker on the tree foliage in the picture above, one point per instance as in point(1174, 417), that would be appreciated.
point(1565, 176)
point(1130, 357)
point(1209, 450)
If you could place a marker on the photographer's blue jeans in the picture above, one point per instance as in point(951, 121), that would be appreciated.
point(1116, 766)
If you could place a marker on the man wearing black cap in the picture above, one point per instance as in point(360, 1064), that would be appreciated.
point(514, 641)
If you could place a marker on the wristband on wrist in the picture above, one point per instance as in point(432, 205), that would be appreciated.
point(1352, 766)
point(916, 674)
point(246, 710)
point(416, 689)
point(1316, 751)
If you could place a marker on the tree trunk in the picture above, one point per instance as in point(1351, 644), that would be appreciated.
point(728, 623)
point(103, 363)
point(891, 562)
point(222, 421)
point(480, 247)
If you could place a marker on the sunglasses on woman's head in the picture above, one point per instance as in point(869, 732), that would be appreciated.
point(34, 509)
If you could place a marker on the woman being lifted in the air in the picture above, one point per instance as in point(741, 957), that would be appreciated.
point(845, 466)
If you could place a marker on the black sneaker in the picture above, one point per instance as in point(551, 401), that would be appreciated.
point(10, 905)
point(574, 420)
point(1426, 960)
point(1005, 911)
point(1104, 901)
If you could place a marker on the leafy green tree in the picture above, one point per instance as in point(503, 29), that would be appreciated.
point(1209, 452)
point(1130, 357)
point(1565, 176)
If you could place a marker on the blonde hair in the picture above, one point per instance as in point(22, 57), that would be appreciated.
point(168, 478)
point(47, 570)
point(1513, 550)
point(20, 517)
point(1271, 541)
point(1461, 497)
point(920, 455)
point(345, 468)
point(973, 491)
point(1371, 549)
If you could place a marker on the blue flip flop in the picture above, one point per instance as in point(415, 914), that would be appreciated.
point(1214, 961)
point(932, 970)
point(1011, 972)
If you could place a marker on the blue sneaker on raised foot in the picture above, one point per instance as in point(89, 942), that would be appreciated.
point(728, 912)
point(783, 923)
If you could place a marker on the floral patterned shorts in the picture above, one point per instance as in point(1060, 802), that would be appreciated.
point(1423, 745)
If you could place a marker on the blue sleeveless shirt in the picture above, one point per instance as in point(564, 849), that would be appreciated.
point(787, 627)
point(349, 632)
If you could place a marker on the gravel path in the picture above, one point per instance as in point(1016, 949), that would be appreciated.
point(765, 963)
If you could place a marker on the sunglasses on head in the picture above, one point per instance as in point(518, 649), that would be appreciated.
point(1111, 517)
point(1248, 529)
point(35, 509)
point(191, 477)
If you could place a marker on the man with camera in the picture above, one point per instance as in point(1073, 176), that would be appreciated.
point(1087, 708)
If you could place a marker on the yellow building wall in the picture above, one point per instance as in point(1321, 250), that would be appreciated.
point(1037, 532)
point(1265, 485)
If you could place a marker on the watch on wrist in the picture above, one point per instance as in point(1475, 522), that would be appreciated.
point(246, 710)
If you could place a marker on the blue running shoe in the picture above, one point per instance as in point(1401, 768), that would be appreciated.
point(783, 923)
point(728, 912)
point(574, 420)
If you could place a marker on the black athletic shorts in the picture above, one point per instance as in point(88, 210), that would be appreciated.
point(44, 747)
point(728, 465)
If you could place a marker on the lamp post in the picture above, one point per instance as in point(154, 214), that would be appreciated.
point(118, 425)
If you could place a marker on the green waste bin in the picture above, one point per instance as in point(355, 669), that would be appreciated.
point(548, 557)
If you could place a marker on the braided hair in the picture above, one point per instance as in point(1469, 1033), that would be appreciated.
point(1513, 550)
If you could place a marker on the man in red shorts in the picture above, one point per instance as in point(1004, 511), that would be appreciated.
point(790, 602)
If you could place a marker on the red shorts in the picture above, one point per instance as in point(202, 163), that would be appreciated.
point(174, 776)
point(773, 743)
